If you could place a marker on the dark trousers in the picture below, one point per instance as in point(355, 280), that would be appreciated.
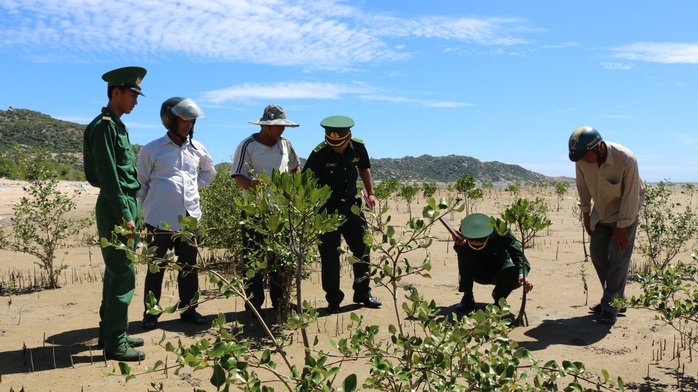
point(353, 231)
point(119, 276)
point(252, 242)
point(187, 279)
point(505, 280)
point(610, 262)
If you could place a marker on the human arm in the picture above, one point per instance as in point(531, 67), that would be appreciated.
point(294, 163)
point(513, 248)
point(632, 193)
point(114, 165)
point(245, 183)
point(207, 170)
point(367, 179)
point(145, 168)
point(584, 201)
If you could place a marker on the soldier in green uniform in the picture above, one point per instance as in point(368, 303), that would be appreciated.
point(338, 162)
point(110, 165)
point(486, 257)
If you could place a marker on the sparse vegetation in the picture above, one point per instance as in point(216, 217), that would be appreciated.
point(41, 222)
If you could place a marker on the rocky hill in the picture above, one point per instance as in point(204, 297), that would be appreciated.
point(30, 131)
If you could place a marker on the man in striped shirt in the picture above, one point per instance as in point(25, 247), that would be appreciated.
point(263, 152)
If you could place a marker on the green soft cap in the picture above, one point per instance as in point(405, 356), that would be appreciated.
point(475, 226)
point(130, 77)
point(337, 129)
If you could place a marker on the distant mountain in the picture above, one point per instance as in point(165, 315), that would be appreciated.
point(449, 169)
point(34, 131)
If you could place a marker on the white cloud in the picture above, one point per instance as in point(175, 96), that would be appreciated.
point(312, 90)
point(313, 33)
point(616, 66)
point(283, 90)
point(660, 52)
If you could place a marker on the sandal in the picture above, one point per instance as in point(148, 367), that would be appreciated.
point(149, 322)
point(596, 309)
point(194, 317)
point(608, 318)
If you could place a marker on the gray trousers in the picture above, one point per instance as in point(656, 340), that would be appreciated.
point(610, 262)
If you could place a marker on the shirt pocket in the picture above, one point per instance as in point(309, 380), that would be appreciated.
point(124, 154)
point(613, 188)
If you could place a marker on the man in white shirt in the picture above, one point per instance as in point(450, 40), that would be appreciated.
point(263, 152)
point(610, 196)
point(171, 170)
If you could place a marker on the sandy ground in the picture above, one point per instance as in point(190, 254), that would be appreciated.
point(47, 337)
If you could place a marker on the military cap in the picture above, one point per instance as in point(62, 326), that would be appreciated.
point(337, 129)
point(476, 226)
point(274, 115)
point(126, 77)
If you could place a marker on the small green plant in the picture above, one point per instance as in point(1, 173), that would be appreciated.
point(41, 222)
point(407, 193)
point(384, 190)
point(529, 218)
point(583, 276)
point(514, 188)
point(665, 232)
point(428, 189)
point(471, 194)
point(560, 190)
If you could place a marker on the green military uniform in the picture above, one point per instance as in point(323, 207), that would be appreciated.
point(110, 164)
point(496, 259)
point(340, 173)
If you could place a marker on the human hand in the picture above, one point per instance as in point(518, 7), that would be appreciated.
point(130, 230)
point(373, 200)
point(459, 239)
point(527, 284)
point(620, 236)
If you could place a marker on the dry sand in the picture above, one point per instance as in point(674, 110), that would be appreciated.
point(46, 336)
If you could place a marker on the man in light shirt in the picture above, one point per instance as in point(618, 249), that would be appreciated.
point(171, 169)
point(258, 153)
point(610, 196)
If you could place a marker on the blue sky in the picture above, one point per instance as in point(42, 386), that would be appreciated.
point(496, 80)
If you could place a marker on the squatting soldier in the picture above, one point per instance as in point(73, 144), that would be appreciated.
point(486, 257)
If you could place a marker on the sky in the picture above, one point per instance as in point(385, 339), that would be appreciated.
point(505, 81)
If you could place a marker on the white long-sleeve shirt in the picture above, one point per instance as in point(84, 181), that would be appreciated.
point(615, 188)
point(170, 178)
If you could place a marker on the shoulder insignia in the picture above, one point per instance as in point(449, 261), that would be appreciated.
point(320, 147)
point(106, 118)
point(355, 139)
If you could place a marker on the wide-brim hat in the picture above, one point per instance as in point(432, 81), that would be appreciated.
point(475, 226)
point(274, 115)
point(129, 77)
point(337, 129)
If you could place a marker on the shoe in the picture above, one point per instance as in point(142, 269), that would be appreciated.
point(608, 317)
point(333, 308)
point(597, 309)
point(133, 342)
point(193, 317)
point(466, 305)
point(125, 353)
point(367, 301)
point(149, 322)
